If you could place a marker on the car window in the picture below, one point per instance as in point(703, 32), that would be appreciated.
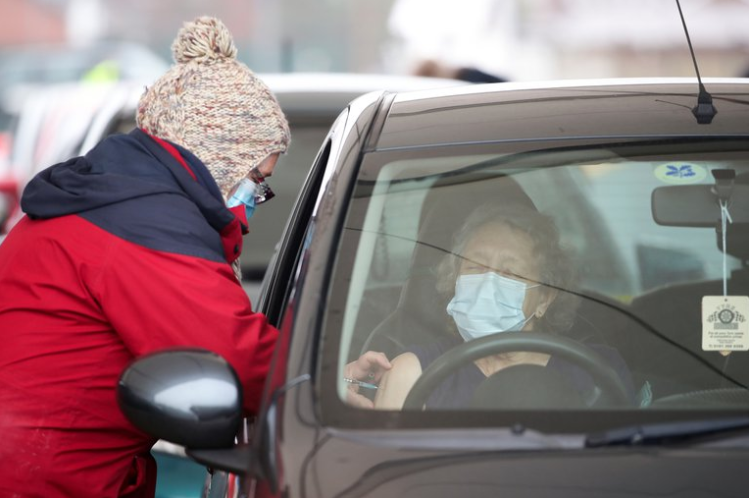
point(624, 286)
point(267, 224)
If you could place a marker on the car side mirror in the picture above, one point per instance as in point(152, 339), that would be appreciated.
point(190, 397)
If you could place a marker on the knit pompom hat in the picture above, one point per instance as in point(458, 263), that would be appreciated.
point(213, 105)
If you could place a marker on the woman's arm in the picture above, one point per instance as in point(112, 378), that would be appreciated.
point(397, 382)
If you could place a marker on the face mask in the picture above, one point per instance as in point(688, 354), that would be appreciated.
point(244, 195)
point(486, 304)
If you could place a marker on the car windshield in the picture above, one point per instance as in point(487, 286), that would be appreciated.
point(616, 250)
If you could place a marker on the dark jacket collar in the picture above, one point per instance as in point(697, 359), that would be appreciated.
point(122, 168)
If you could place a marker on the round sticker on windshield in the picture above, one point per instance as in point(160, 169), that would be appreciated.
point(680, 173)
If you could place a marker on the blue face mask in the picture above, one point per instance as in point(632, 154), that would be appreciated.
point(486, 304)
point(244, 195)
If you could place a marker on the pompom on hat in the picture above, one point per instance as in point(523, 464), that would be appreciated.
point(213, 105)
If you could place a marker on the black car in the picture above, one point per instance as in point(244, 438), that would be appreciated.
point(638, 386)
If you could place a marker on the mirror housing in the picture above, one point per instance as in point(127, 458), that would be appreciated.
point(190, 397)
point(697, 205)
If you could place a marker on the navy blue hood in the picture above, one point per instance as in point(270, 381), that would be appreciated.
point(134, 188)
point(121, 167)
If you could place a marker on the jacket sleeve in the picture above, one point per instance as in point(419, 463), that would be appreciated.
point(156, 300)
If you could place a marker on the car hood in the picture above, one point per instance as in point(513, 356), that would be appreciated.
point(345, 469)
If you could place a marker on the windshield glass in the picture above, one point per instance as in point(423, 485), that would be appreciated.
point(584, 277)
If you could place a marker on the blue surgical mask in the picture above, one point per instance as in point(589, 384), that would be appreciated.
point(486, 304)
point(244, 195)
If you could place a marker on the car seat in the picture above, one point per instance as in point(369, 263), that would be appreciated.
point(672, 352)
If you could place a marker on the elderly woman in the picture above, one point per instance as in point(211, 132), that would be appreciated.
point(506, 273)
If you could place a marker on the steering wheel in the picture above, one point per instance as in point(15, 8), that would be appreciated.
point(727, 397)
point(613, 391)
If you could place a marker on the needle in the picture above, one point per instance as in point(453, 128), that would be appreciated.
point(365, 385)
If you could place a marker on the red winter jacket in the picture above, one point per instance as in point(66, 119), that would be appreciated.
point(124, 252)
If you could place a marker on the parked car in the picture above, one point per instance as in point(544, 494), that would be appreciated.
point(642, 193)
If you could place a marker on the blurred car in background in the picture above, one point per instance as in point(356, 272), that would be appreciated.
point(361, 264)
point(8, 184)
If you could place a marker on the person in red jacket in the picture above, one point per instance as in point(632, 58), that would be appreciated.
point(127, 250)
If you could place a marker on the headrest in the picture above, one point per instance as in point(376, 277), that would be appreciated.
point(452, 199)
point(447, 206)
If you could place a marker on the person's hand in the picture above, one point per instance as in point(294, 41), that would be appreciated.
point(368, 369)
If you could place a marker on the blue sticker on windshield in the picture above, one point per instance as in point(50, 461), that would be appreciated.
point(680, 173)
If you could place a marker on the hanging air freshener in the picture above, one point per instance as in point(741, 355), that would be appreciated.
point(724, 318)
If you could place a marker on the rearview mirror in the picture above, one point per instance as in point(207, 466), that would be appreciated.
point(697, 205)
point(190, 397)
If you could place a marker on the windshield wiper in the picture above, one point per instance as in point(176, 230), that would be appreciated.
point(664, 433)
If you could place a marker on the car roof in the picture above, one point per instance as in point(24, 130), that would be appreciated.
point(561, 111)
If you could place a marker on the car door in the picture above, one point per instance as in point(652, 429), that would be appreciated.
point(276, 302)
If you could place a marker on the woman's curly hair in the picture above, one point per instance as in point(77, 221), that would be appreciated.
point(555, 266)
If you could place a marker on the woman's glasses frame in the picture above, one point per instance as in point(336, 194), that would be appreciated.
point(263, 193)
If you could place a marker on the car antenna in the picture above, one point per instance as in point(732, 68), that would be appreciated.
point(704, 111)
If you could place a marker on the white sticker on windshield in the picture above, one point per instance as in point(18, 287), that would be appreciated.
point(680, 173)
point(724, 323)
